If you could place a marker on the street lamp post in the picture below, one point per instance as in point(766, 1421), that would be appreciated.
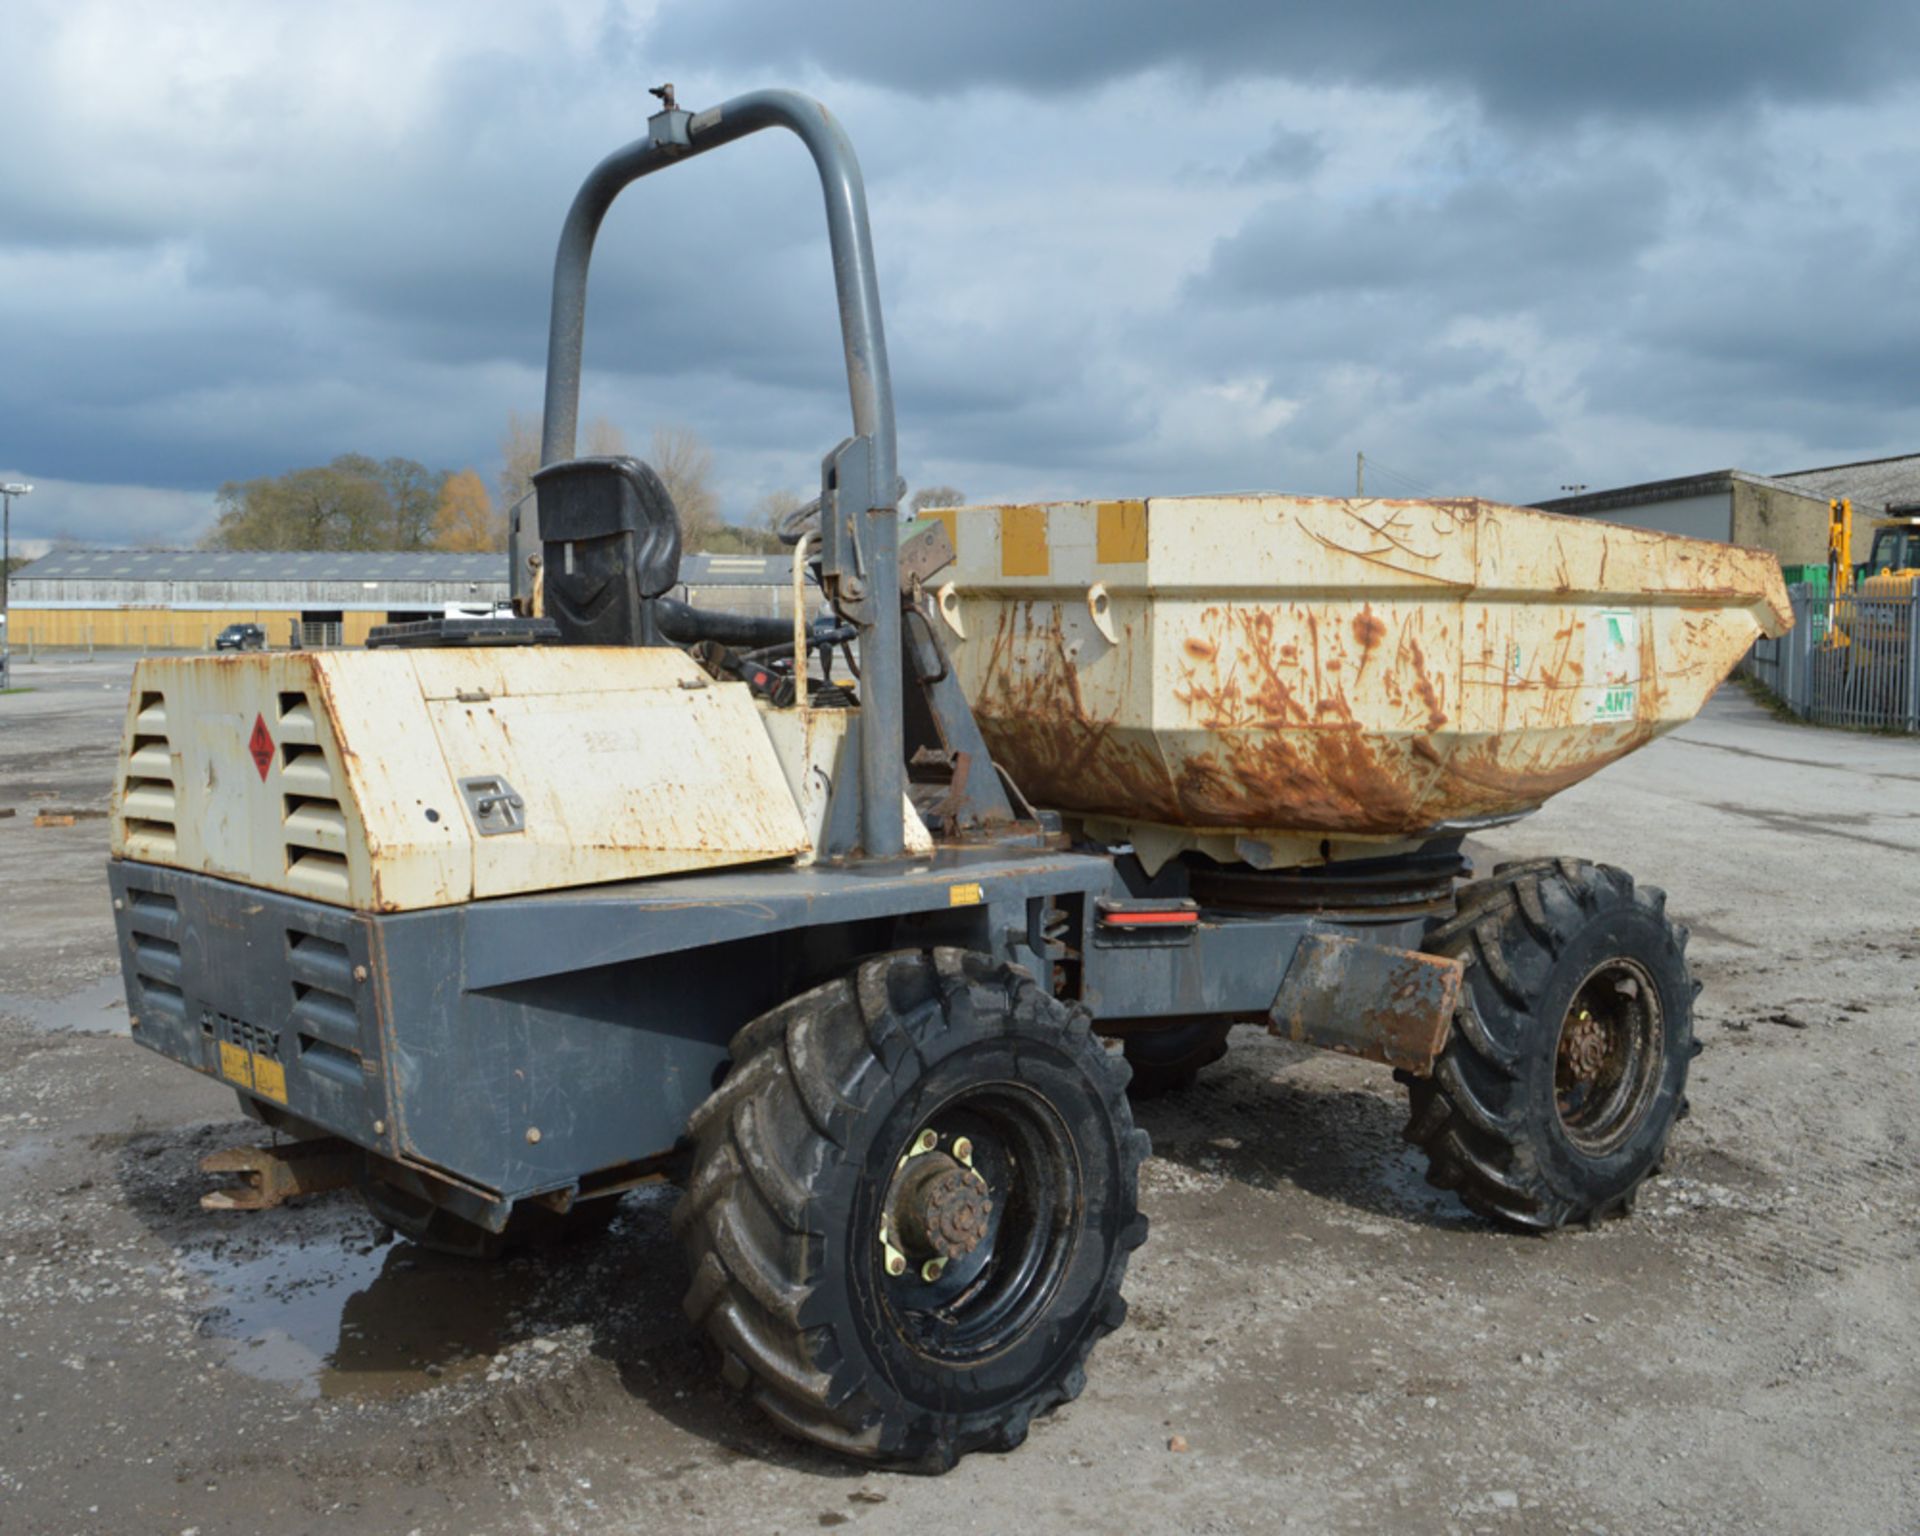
point(7, 493)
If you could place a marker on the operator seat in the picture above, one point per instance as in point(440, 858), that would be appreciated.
point(610, 548)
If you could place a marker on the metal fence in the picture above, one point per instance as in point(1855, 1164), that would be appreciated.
point(1849, 660)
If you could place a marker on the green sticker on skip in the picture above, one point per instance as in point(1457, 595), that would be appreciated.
point(1613, 663)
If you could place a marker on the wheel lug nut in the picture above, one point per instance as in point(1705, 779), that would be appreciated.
point(931, 1270)
point(896, 1263)
point(926, 1141)
point(963, 1149)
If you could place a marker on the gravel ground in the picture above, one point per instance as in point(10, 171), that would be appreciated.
point(1337, 1346)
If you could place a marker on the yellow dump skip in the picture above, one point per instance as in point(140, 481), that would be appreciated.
point(1285, 679)
point(336, 775)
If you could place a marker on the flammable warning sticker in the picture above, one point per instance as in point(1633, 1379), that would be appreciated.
point(1613, 663)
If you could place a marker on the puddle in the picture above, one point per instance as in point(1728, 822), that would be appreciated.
point(333, 1320)
point(100, 1008)
point(22, 1152)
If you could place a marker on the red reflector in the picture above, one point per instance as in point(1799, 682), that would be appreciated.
point(1149, 919)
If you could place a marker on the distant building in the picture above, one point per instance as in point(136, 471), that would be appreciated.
point(181, 599)
point(1786, 514)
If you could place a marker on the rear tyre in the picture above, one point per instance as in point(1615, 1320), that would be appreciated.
point(530, 1227)
point(911, 1208)
point(1168, 1060)
point(1567, 1064)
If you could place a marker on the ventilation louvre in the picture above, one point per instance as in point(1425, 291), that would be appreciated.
point(323, 1014)
point(156, 972)
point(313, 826)
point(148, 806)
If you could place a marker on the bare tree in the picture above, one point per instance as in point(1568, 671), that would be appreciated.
point(520, 457)
point(520, 453)
point(414, 493)
point(604, 439)
point(684, 463)
point(774, 508)
point(937, 496)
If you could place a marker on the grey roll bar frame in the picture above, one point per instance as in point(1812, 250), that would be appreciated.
point(859, 542)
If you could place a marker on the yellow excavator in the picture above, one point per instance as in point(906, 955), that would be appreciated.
point(1892, 566)
point(1891, 571)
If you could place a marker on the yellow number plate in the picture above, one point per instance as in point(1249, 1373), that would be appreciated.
point(966, 895)
point(249, 1069)
point(269, 1079)
point(236, 1064)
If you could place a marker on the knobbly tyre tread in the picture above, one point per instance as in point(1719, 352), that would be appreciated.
point(767, 1138)
point(1471, 1116)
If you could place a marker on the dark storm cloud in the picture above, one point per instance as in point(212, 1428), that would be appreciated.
point(1124, 248)
point(1527, 58)
point(1507, 241)
point(182, 314)
point(1289, 154)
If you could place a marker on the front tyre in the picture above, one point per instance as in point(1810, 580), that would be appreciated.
point(1567, 1064)
point(911, 1208)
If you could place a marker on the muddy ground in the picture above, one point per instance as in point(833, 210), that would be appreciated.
point(1340, 1347)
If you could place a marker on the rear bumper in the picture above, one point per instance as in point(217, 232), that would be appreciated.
point(373, 1028)
point(268, 993)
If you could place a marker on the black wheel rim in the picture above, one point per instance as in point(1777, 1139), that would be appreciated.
point(1014, 1155)
point(1608, 1058)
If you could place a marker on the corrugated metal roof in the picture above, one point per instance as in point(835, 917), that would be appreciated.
point(355, 565)
point(1651, 491)
point(262, 565)
point(1871, 484)
point(737, 570)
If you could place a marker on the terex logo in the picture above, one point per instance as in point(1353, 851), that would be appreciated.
point(260, 746)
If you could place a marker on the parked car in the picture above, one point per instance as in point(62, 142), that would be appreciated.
point(241, 637)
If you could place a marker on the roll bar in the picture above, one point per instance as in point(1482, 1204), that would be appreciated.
point(860, 478)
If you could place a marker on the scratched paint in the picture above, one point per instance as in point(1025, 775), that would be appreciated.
point(1290, 669)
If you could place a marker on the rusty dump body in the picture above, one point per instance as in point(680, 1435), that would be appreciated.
point(1282, 680)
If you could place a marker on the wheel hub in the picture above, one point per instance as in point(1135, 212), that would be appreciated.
point(1585, 1046)
point(1608, 1060)
point(941, 1208)
point(938, 1209)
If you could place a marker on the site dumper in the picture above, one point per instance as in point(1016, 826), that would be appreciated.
point(500, 917)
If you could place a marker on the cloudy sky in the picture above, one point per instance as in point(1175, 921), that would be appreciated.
point(1125, 247)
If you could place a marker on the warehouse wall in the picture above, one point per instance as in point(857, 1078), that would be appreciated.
point(1697, 517)
point(1794, 527)
point(164, 628)
point(244, 596)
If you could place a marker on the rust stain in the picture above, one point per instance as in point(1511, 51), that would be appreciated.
point(1423, 685)
point(1377, 713)
point(1388, 1005)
